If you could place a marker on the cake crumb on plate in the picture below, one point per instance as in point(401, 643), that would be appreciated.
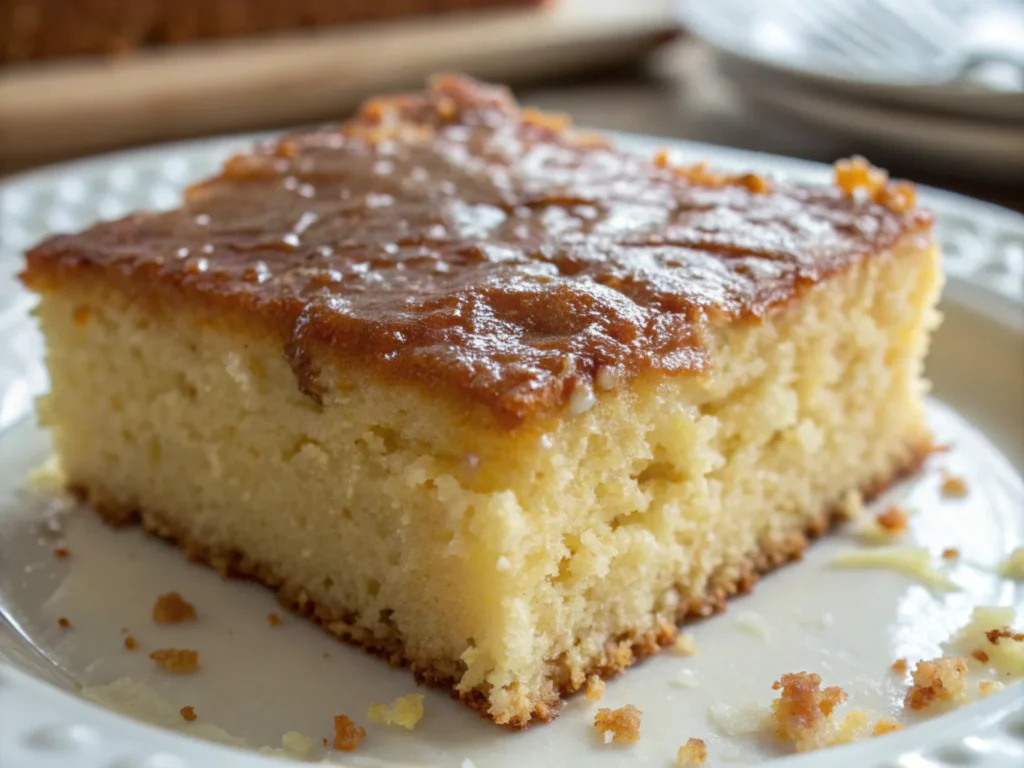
point(405, 711)
point(911, 561)
point(623, 724)
point(988, 687)
point(885, 725)
point(63, 623)
point(1013, 566)
point(899, 666)
point(953, 487)
point(935, 681)
point(347, 735)
point(693, 752)
point(171, 608)
point(800, 715)
point(188, 713)
point(685, 645)
point(130, 644)
point(176, 661)
point(62, 553)
point(273, 619)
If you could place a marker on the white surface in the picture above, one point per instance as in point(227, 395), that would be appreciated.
point(258, 682)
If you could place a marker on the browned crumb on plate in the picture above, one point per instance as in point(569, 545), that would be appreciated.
point(893, 520)
point(189, 713)
point(950, 553)
point(884, 726)
point(952, 486)
point(937, 680)
point(347, 734)
point(693, 752)
point(899, 666)
point(178, 661)
point(323, 741)
point(622, 724)
point(63, 623)
point(171, 608)
point(62, 553)
point(988, 687)
point(273, 619)
point(595, 688)
point(980, 655)
point(801, 712)
point(130, 644)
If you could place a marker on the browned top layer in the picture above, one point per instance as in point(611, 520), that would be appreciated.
point(452, 239)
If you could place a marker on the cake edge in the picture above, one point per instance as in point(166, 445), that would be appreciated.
point(618, 655)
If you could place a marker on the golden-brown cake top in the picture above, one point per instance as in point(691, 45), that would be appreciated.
point(454, 239)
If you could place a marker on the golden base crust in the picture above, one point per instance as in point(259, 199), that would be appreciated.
point(618, 654)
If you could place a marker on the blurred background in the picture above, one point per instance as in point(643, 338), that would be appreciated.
point(932, 89)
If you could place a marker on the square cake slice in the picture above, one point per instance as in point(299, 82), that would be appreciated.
point(484, 394)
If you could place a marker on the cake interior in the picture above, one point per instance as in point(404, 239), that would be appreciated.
point(506, 563)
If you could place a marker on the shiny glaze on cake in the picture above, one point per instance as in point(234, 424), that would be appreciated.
point(452, 239)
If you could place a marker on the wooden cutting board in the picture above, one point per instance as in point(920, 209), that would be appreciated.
point(54, 110)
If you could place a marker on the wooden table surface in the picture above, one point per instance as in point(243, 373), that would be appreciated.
point(678, 93)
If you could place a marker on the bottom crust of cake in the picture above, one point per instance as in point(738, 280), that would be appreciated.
point(618, 655)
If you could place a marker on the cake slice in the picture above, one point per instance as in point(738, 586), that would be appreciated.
point(482, 393)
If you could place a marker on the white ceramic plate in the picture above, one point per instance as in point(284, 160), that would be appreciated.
point(258, 682)
point(870, 63)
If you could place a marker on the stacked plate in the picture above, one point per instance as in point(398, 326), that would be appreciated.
point(938, 81)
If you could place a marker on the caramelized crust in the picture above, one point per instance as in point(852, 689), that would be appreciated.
point(450, 238)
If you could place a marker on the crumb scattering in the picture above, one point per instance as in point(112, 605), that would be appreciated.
point(937, 681)
point(273, 619)
point(61, 553)
point(178, 661)
point(685, 645)
point(623, 724)
point(953, 487)
point(130, 643)
point(980, 655)
point(801, 713)
point(347, 735)
point(885, 725)
point(595, 688)
point(893, 519)
point(899, 666)
point(950, 553)
point(189, 713)
point(405, 711)
point(988, 687)
point(990, 631)
point(693, 752)
point(63, 623)
point(171, 608)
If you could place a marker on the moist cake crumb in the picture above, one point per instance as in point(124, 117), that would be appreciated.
point(595, 688)
point(622, 724)
point(178, 661)
point(899, 666)
point(61, 553)
point(953, 487)
point(941, 680)
point(685, 645)
point(189, 713)
point(130, 644)
point(693, 752)
point(988, 687)
point(885, 725)
point(63, 622)
point(273, 619)
point(800, 715)
point(893, 520)
point(347, 735)
point(405, 711)
point(171, 608)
